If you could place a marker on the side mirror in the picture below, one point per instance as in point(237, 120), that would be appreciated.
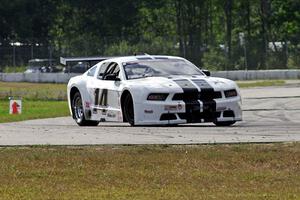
point(111, 77)
point(206, 72)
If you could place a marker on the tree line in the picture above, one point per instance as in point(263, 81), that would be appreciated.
point(214, 34)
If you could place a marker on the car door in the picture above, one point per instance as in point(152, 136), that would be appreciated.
point(105, 95)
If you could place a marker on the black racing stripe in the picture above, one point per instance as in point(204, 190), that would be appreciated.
point(207, 97)
point(190, 98)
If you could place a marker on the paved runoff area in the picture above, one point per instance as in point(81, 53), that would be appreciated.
point(271, 114)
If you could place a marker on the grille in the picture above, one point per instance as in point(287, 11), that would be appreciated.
point(228, 113)
point(197, 96)
point(167, 116)
point(186, 96)
point(196, 117)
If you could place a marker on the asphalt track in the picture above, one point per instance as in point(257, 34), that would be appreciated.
point(271, 114)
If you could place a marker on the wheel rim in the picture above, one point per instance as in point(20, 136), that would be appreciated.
point(78, 108)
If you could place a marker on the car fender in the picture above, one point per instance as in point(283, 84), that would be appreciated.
point(80, 83)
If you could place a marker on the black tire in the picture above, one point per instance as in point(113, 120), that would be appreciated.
point(128, 109)
point(78, 113)
point(226, 123)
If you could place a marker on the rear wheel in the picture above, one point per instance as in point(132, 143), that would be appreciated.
point(226, 123)
point(78, 112)
point(128, 109)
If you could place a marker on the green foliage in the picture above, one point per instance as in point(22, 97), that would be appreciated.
point(215, 59)
point(157, 45)
point(122, 48)
point(192, 29)
point(294, 62)
point(10, 69)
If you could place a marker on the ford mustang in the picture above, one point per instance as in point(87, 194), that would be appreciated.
point(151, 90)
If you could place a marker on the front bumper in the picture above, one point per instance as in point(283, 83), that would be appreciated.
point(179, 112)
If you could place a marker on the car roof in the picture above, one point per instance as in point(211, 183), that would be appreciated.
point(118, 59)
point(40, 60)
point(141, 57)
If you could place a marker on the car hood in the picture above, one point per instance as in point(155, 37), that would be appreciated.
point(167, 84)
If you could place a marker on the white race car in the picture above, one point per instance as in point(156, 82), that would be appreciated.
point(151, 90)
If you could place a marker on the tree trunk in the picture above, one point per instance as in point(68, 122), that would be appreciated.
point(248, 14)
point(228, 15)
point(264, 32)
point(178, 5)
point(211, 33)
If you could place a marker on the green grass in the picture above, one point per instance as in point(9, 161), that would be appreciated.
point(39, 100)
point(151, 172)
point(12, 69)
point(262, 83)
point(34, 110)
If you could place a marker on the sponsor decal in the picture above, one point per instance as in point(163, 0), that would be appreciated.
point(87, 104)
point(120, 117)
point(111, 114)
point(148, 111)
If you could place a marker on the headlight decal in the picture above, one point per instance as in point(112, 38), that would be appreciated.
point(230, 93)
point(157, 96)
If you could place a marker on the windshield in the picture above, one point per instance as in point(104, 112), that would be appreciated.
point(165, 67)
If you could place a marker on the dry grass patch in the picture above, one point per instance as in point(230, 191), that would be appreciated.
point(51, 91)
point(151, 172)
point(260, 83)
point(33, 91)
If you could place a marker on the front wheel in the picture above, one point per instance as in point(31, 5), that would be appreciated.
point(226, 123)
point(78, 112)
point(128, 110)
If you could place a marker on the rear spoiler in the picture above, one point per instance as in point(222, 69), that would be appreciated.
point(64, 61)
